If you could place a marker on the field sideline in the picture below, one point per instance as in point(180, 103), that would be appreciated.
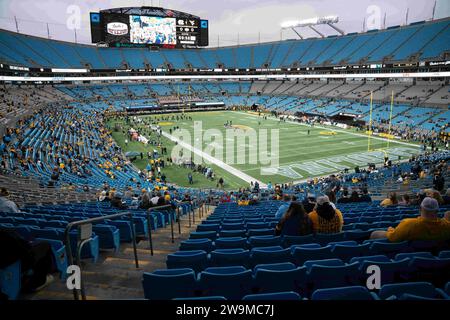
point(301, 156)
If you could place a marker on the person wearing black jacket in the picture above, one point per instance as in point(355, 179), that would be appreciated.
point(36, 259)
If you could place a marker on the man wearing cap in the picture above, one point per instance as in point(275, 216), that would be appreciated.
point(284, 207)
point(427, 227)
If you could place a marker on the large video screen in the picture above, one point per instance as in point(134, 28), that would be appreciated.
point(153, 30)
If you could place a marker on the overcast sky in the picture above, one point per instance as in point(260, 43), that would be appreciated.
point(253, 20)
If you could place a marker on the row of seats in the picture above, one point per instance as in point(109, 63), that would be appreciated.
point(234, 282)
point(199, 260)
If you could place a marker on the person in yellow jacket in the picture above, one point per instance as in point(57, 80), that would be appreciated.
point(427, 227)
point(325, 217)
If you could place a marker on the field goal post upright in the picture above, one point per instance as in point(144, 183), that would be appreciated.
point(390, 120)
point(370, 123)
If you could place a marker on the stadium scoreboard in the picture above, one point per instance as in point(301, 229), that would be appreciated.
point(148, 26)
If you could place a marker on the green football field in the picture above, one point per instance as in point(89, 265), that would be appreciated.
point(237, 153)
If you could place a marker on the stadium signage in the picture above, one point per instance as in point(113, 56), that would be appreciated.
point(117, 28)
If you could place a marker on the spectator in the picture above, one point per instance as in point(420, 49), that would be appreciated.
point(345, 197)
point(439, 181)
point(365, 196)
point(446, 198)
point(295, 222)
point(283, 207)
point(35, 257)
point(6, 205)
point(325, 217)
point(190, 178)
point(354, 196)
point(145, 202)
point(390, 201)
point(117, 202)
point(427, 227)
point(309, 203)
point(220, 184)
point(254, 201)
point(405, 201)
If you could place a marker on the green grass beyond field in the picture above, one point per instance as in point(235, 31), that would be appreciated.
point(300, 156)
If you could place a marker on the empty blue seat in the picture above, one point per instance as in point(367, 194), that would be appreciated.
point(229, 257)
point(264, 241)
point(231, 243)
point(233, 226)
point(411, 255)
point(231, 282)
point(279, 277)
point(203, 235)
point(124, 228)
point(444, 254)
point(324, 262)
point(233, 233)
point(208, 227)
point(169, 284)
point(302, 253)
point(275, 254)
point(422, 289)
point(346, 252)
point(447, 288)
point(288, 241)
point(260, 232)
point(196, 244)
point(324, 238)
point(344, 293)
point(10, 280)
point(195, 259)
point(389, 249)
point(109, 236)
point(322, 276)
point(257, 225)
point(283, 296)
point(435, 270)
point(357, 235)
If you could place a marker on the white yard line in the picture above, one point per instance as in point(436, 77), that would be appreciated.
point(219, 163)
point(338, 130)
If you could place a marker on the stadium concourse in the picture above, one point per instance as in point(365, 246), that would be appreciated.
point(72, 194)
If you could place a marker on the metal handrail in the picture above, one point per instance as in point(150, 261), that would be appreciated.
point(90, 221)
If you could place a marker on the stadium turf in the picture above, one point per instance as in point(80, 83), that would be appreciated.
point(300, 155)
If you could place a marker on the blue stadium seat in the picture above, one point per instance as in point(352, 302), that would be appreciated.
point(231, 282)
point(260, 232)
point(434, 270)
point(357, 235)
point(203, 234)
point(169, 284)
point(10, 280)
point(124, 228)
point(389, 249)
point(208, 227)
point(444, 254)
point(275, 254)
point(109, 236)
point(323, 262)
point(195, 259)
point(257, 225)
point(344, 293)
point(229, 257)
point(232, 233)
point(196, 244)
point(346, 252)
point(231, 243)
point(422, 289)
point(264, 241)
point(447, 288)
point(411, 255)
point(301, 254)
point(322, 276)
point(233, 226)
point(279, 277)
point(324, 238)
point(283, 296)
point(288, 241)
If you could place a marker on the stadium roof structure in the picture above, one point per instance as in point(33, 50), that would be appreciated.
point(151, 11)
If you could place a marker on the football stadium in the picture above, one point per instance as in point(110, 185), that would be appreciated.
point(142, 159)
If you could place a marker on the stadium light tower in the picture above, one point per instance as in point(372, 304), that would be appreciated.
point(328, 20)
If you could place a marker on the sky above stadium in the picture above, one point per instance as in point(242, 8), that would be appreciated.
point(246, 21)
